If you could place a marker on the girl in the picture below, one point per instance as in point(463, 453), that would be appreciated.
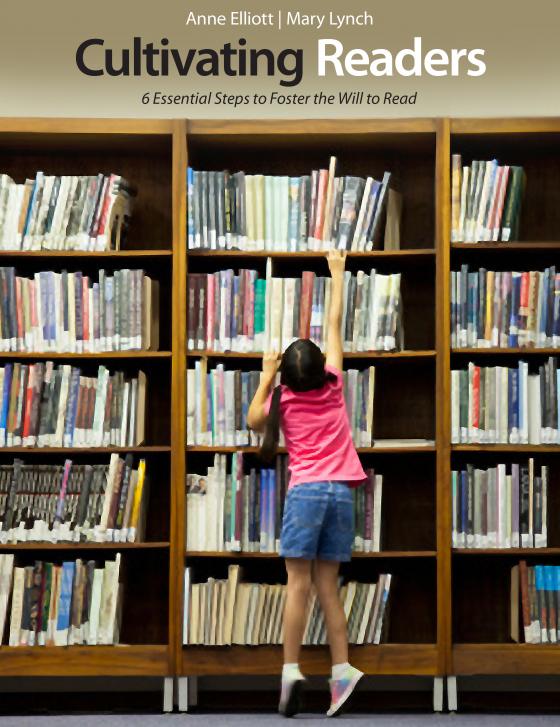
point(318, 525)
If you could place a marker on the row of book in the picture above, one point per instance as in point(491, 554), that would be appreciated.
point(485, 200)
point(505, 309)
point(228, 611)
point(242, 510)
point(64, 212)
point(218, 401)
point(497, 508)
point(71, 603)
point(288, 213)
point(497, 404)
point(69, 312)
point(72, 502)
point(367, 513)
point(537, 587)
point(234, 510)
point(229, 312)
point(48, 405)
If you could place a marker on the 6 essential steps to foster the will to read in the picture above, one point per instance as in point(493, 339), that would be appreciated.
point(280, 18)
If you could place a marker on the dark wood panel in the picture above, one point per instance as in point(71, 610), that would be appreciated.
point(491, 658)
point(84, 661)
point(383, 659)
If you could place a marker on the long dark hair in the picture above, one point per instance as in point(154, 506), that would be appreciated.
point(302, 369)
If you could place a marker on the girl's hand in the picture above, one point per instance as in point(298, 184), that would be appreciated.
point(337, 261)
point(270, 364)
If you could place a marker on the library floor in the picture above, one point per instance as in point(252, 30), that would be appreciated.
point(240, 720)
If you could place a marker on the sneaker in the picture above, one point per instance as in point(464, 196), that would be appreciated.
point(342, 689)
point(290, 697)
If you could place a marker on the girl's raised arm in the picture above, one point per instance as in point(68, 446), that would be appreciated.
point(256, 416)
point(337, 261)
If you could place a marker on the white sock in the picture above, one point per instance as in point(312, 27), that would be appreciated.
point(291, 672)
point(338, 670)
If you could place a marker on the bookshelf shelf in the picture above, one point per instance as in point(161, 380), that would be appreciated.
point(380, 554)
point(347, 355)
point(516, 552)
point(362, 450)
point(86, 661)
point(503, 246)
point(373, 254)
point(506, 351)
point(105, 355)
point(506, 659)
point(14, 547)
point(417, 659)
point(148, 449)
point(117, 254)
point(529, 448)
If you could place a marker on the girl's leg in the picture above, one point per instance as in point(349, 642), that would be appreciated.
point(344, 676)
point(295, 612)
point(325, 577)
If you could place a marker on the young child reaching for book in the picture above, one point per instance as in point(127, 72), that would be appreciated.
point(318, 524)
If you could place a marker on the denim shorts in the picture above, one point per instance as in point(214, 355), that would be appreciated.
point(318, 522)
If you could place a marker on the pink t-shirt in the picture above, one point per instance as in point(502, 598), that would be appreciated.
point(318, 436)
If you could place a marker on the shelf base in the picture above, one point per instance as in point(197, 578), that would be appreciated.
point(84, 661)
point(387, 659)
point(502, 659)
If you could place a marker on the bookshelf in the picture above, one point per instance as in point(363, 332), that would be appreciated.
point(479, 638)
point(434, 630)
point(143, 152)
point(409, 150)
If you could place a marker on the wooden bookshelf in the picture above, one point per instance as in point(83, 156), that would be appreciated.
point(409, 542)
point(434, 629)
point(145, 153)
point(480, 636)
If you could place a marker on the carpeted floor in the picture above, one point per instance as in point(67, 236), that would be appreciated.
point(241, 720)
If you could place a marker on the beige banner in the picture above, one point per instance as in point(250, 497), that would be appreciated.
point(39, 75)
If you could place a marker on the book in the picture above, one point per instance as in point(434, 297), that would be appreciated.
point(537, 588)
point(48, 405)
point(219, 399)
point(72, 313)
point(501, 498)
point(230, 311)
point(255, 609)
point(486, 201)
point(293, 214)
point(54, 604)
point(500, 404)
point(6, 576)
point(66, 503)
point(87, 213)
point(237, 508)
point(505, 309)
